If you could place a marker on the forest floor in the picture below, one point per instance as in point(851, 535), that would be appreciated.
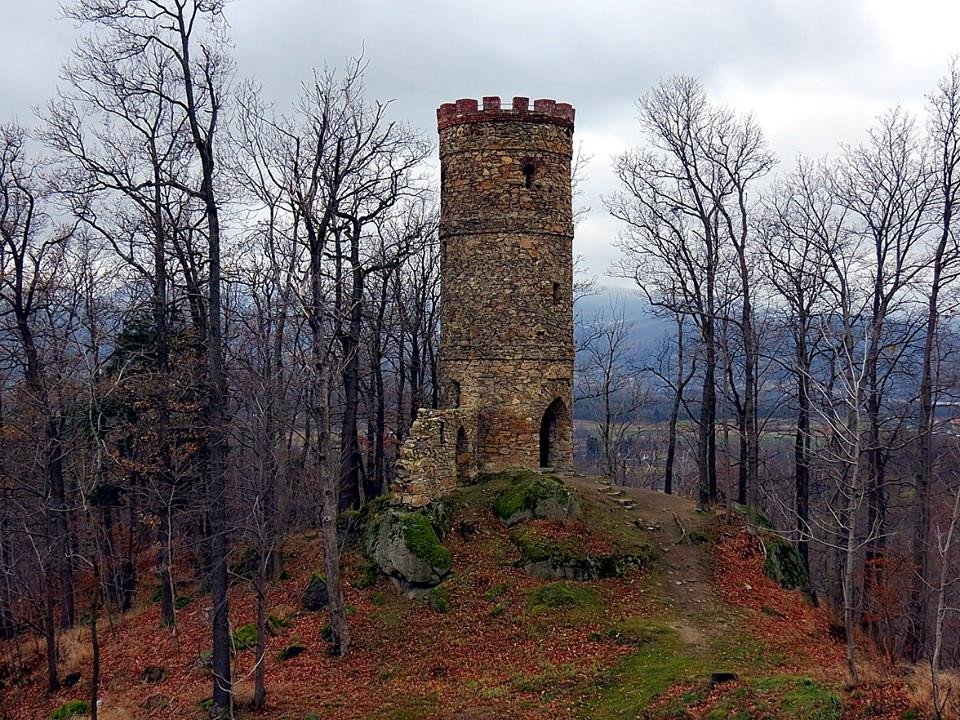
point(644, 645)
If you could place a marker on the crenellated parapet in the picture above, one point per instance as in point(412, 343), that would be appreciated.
point(469, 110)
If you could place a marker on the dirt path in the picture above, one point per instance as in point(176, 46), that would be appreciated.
point(685, 582)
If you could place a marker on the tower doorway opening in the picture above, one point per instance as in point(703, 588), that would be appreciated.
point(552, 426)
point(462, 451)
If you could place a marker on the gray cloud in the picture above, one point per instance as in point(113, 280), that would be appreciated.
point(814, 72)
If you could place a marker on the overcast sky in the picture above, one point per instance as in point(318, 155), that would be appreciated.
point(814, 72)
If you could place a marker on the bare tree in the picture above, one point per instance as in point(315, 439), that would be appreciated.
point(801, 223)
point(883, 184)
point(31, 256)
point(672, 241)
point(944, 138)
point(609, 380)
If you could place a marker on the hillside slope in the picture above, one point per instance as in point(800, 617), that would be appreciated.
point(690, 629)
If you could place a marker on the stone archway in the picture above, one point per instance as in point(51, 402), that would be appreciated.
point(462, 456)
point(554, 428)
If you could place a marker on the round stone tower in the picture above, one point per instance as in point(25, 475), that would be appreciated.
point(506, 233)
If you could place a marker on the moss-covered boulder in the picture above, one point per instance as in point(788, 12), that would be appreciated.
point(407, 546)
point(783, 563)
point(534, 496)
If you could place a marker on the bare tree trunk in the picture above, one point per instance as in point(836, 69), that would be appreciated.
point(801, 458)
point(350, 458)
point(95, 640)
point(945, 547)
point(50, 638)
point(260, 586)
point(339, 630)
point(707, 485)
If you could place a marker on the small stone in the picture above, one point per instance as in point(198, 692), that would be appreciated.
point(719, 678)
point(152, 674)
point(71, 679)
point(416, 501)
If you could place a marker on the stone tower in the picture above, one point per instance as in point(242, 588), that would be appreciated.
point(506, 351)
point(506, 234)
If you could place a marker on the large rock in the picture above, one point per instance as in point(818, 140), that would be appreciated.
point(534, 496)
point(548, 559)
point(315, 595)
point(406, 546)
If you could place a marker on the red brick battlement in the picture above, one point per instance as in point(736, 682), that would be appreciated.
point(468, 110)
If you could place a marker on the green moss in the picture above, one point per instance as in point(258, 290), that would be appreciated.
point(640, 632)
point(561, 595)
point(71, 709)
point(245, 637)
point(644, 674)
point(421, 539)
point(279, 622)
point(754, 515)
point(783, 563)
point(495, 592)
point(527, 489)
point(439, 599)
point(546, 557)
point(367, 578)
point(701, 537)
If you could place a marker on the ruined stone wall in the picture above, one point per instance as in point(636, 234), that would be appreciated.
point(438, 454)
point(507, 274)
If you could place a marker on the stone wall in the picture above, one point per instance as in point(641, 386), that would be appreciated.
point(506, 350)
point(438, 454)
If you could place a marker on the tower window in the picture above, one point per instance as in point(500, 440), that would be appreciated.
point(556, 293)
point(529, 170)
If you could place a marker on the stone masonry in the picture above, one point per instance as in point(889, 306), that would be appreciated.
point(506, 350)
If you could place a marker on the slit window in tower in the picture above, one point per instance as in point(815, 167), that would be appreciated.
point(556, 293)
point(528, 172)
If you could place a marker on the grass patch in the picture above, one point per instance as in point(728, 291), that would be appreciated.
point(561, 595)
point(71, 709)
point(790, 697)
point(245, 637)
point(439, 599)
point(367, 578)
point(493, 593)
point(411, 708)
point(641, 676)
point(640, 632)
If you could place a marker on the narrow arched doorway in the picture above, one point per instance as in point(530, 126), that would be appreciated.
point(552, 426)
point(462, 451)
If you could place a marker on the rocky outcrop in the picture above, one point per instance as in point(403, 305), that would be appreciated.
point(406, 545)
point(315, 594)
point(535, 496)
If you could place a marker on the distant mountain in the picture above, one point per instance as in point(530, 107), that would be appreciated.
point(648, 330)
